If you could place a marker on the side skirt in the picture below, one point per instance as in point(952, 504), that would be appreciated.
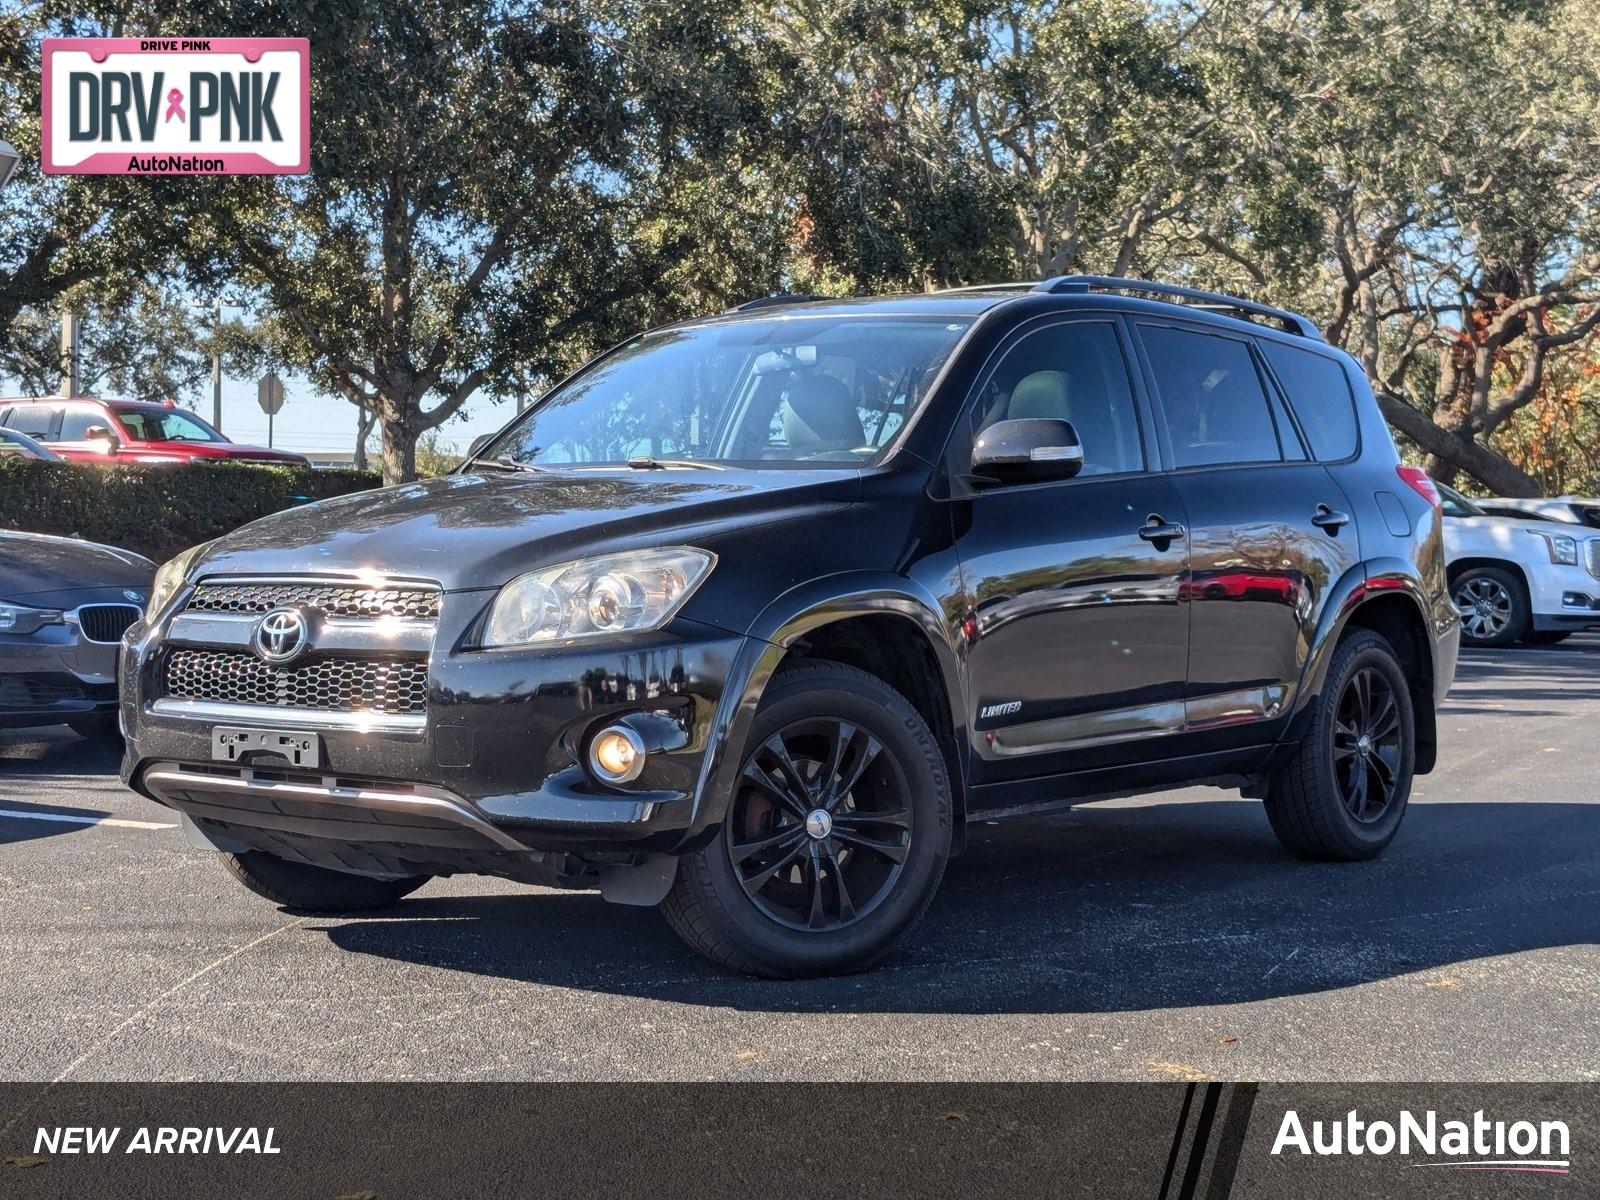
point(1236, 768)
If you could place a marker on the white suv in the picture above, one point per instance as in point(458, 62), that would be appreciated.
point(1519, 577)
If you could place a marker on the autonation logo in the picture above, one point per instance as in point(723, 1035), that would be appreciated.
point(1478, 1144)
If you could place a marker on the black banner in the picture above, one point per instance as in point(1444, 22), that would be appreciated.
point(1162, 1141)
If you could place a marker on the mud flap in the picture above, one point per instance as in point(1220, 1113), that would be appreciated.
point(645, 884)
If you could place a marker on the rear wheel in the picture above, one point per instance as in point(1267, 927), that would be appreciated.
point(1493, 604)
point(1344, 792)
point(315, 889)
point(836, 836)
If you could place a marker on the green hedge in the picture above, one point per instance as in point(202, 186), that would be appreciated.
point(157, 510)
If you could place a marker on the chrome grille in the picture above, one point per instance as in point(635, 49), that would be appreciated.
point(331, 599)
point(1593, 555)
point(106, 622)
point(325, 684)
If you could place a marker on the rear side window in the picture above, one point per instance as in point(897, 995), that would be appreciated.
point(1211, 393)
point(34, 420)
point(1320, 395)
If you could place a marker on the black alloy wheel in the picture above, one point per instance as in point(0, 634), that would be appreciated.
point(1341, 794)
point(1367, 746)
point(835, 836)
point(821, 825)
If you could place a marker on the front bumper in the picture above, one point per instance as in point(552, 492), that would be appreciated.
point(1564, 598)
point(492, 769)
point(55, 674)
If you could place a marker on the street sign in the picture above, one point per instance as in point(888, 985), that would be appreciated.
point(269, 394)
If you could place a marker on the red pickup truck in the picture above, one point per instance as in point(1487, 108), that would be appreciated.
point(86, 429)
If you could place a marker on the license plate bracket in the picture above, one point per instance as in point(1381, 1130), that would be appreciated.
point(236, 744)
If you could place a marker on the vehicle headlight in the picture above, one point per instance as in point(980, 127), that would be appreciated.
point(1563, 549)
point(169, 578)
point(619, 593)
point(20, 618)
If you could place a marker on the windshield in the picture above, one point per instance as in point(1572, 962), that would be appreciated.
point(1455, 504)
point(814, 389)
point(166, 425)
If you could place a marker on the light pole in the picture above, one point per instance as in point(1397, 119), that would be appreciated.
point(216, 355)
point(9, 160)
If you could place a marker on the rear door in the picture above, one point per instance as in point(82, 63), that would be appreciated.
point(1076, 637)
point(1270, 530)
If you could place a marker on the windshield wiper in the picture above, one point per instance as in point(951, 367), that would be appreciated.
point(506, 463)
point(645, 462)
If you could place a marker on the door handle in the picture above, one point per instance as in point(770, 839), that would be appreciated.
point(1326, 518)
point(1155, 529)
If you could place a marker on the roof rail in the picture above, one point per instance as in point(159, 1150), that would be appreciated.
point(1007, 286)
point(776, 299)
point(1290, 322)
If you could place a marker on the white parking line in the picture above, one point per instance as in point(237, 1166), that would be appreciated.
point(83, 819)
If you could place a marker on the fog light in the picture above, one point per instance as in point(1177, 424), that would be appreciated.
point(616, 754)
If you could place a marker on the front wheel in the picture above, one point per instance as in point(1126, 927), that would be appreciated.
point(1493, 604)
point(1341, 797)
point(836, 836)
point(315, 889)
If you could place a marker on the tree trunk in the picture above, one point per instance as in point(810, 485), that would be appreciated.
point(1455, 452)
point(399, 451)
point(364, 421)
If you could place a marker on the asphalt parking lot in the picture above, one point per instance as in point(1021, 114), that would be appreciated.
point(1161, 938)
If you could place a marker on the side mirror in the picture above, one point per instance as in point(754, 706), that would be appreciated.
point(100, 433)
point(1028, 449)
point(478, 443)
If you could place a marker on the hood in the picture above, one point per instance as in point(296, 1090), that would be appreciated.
point(192, 450)
point(1464, 535)
point(38, 569)
point(477, 531)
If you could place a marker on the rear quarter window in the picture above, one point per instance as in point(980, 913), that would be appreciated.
point(1320, 396)
point(35, 420)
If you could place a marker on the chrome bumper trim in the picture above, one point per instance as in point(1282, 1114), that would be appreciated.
point(272, 717)
point(171, 784)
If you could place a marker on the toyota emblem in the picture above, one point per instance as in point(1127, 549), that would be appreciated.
point(281, 635)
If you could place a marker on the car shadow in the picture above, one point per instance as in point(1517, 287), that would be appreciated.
point(55, 750)
point(28, 754)
point(1518, 679)
point(1107, 908)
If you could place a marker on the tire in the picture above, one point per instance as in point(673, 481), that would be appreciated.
point(837, 906)
point(97, 727)
point(315, 889)
point(1546, 637)
point(1312, 800)
point(1494, 606)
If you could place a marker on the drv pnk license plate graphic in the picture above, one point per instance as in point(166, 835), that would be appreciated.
point(177, 106)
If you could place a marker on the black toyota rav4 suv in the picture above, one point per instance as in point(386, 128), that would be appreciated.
point(752, 616)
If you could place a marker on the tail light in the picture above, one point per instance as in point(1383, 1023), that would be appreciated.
point(1417, 480)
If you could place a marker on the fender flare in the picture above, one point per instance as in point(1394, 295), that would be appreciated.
point(772, 635)
point(1361, 583)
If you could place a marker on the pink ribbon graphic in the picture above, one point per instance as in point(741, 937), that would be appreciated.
point(175, 106)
